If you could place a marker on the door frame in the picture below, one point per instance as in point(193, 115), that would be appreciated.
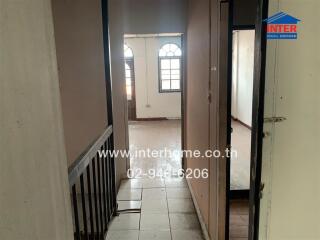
point(243, 193)
point(183, 94)
point(183, 83)
point(257, 118)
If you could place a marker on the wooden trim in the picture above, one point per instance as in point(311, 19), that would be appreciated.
point(183, 97)
point(242, 123)
point(229, 127)
point(150, 119)
point(239, 194)
point(257, 118)
point(244, 27)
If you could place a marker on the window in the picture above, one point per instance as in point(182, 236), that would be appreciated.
point(170, 68)
point(128, 57)
point(128, 81)
point(127, 52)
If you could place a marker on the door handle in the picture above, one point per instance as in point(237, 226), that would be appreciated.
point(274, 119)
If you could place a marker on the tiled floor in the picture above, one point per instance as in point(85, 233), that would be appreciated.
point(239, 220)
point(167, 211)
point(167, 134)
point(240, 165)
point(155, 135)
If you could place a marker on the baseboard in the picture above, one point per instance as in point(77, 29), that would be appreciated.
point(151, 119)
point(239, 194)
point(202, 223)
point(242, 123)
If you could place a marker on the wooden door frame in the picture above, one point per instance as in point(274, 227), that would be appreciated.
point(183, 94)
point(257, 117)
point(257, 120)
point(184, 98)
point(229, 128)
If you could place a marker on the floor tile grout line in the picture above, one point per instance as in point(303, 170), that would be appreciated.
point(140, 215)
point(170, 227)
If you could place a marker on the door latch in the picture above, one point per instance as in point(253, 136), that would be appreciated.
point(274, 119)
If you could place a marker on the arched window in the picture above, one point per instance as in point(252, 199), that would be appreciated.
point(128, 81)
point(170, 68)
point(128, 57)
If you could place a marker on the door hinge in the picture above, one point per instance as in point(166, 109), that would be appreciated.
point(266, 134)
point(209, 97)
point(262, 185)
point(274, 119)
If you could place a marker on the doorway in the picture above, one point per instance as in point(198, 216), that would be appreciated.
point(243, 43)
point(153, 70)
point(155, 195)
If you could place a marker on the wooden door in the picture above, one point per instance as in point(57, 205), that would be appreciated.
point(285, 164)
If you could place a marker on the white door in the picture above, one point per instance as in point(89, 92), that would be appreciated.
point(290, 204)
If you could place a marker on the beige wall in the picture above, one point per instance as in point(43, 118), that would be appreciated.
point(197, 106)
point(206, 119)
point(34, 189)
point(79, 40)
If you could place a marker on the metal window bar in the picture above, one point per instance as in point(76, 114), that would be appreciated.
point(93, 191)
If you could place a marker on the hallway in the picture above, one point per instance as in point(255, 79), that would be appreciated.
point(161, 209)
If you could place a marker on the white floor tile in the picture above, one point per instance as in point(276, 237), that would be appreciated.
point(128, 221)
point(176, 183)
point(153, 183)
point(154, 221)
point(131, 183)
point(129, 194)
point(178, 193)
point(154, 193)
point(155, 235)
point(179, 221)
point(181, 206)
point(155, 206)
point(123, 235)
point(122, 205)
point(186, 235)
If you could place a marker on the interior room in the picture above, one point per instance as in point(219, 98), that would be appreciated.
point(243, 41)
point(241, 110)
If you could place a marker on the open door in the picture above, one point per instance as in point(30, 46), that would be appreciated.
point(285, 171)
